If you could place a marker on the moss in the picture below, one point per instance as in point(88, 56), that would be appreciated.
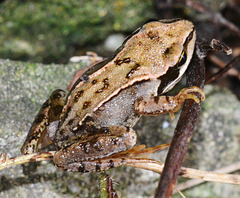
point(50, 31)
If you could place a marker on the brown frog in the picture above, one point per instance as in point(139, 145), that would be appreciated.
point(93, 123)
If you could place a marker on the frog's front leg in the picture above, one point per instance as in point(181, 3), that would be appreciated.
point(156, 105)
point(50, 111)
point(103, 143)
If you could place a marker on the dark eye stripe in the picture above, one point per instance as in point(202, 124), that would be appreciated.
point(189, 38)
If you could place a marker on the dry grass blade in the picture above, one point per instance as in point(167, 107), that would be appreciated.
point(157, 167)
point(6, 162)
point(193, 182)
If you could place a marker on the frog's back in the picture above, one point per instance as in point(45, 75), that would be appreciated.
point(145, 56)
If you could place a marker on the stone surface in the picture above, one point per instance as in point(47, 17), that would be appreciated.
point(25, 86)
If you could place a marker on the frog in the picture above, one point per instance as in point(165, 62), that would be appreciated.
point(91, 127)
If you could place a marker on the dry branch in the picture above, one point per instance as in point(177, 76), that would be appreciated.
point(6, 162)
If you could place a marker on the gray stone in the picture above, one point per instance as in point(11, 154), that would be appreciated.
point(25, 86)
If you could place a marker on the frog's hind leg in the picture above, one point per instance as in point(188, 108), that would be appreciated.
point(103, 164)
point(156, 105)
point(50, 111)
point(101, 143)
point(136, 156)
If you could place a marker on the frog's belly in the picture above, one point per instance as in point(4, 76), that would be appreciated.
point(120, 109)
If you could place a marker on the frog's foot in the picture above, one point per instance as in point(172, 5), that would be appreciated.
point(156, 105)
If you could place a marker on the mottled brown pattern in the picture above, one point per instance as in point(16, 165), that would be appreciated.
point(69, 108)
point(56, 96)
point(152, 35)
point(151, 62)
point(156, 99)
point(78, 95)
point(130, 74)
point(111, 164)
point(168, 51)
point(99, 91)
point(86, 104)
point(140, 43)
point(105, 80)
point(106, 84)
point(70, 122)
point(81, 168)
point(145, 56)
point(167, 99)
point(125, 60)
point(170, 34)
point(94, 82)
point(39, 118)
point(98, 166)
point(114, 141)
point(57, 110)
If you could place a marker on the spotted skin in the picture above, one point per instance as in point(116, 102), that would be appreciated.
point(92, 125)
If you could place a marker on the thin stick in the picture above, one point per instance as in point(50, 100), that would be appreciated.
point(221, 64)
point(215, 17)
point(225, 69)
point(6, 162)
point(157, 167)
point(194, 182)
point(184, 129)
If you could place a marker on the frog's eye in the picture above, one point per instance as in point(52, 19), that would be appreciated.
point(182, 59)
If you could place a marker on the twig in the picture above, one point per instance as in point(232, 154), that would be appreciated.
point(187, 120)
point(221, 64)
point(157, 167)
point(184, 129)
point(216, 45)
point(6, 162)
point(194, 182)
point(225, 69)
point(215, 17)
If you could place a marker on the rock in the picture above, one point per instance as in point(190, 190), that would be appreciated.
point(25, 86)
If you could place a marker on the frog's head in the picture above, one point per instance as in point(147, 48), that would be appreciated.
point(163, 49)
